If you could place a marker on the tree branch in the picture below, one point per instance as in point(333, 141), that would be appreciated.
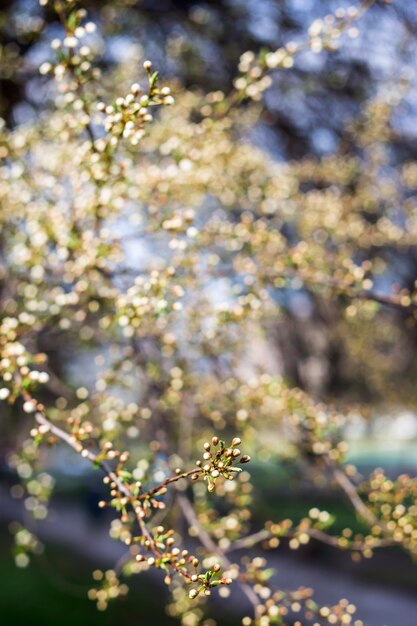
point(210, 546)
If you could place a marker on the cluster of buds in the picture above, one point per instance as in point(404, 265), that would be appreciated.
point(146, 300)
point(110, 588)
point(25, 543)
point(323, 34)
point(293, 605)
point(120, 496)
point(73, 55)
point(219, 460)
point(128, 116)
point(81, 429)
point(319, 431)
point(19, 369)
point(164, 555)
point(393, 502)
point(205, 582)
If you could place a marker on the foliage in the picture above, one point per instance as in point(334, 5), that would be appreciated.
point(162, 250)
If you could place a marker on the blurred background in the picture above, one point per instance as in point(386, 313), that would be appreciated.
point(306, 113)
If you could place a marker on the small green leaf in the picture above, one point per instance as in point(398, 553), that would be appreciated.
point(153, 80)
point(72, 21)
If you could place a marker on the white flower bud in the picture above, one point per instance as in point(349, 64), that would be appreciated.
point(70, 42)
point(45, 68)
point(43, 377)
point(4, 393)
point(90, 27)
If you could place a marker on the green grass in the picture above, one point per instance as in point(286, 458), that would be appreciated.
point(274, 500)
point(45, 595)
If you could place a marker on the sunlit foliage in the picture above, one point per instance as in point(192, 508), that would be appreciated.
point(156, 242)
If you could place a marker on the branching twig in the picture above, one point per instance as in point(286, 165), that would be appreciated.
point(211, 546)
point(263, 535)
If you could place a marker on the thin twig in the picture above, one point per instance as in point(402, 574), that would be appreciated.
point(263, 535)
point(208, 543)
point(351, 492)
point(124, 489)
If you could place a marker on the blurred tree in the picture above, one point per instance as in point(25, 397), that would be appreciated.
point(148, 269)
